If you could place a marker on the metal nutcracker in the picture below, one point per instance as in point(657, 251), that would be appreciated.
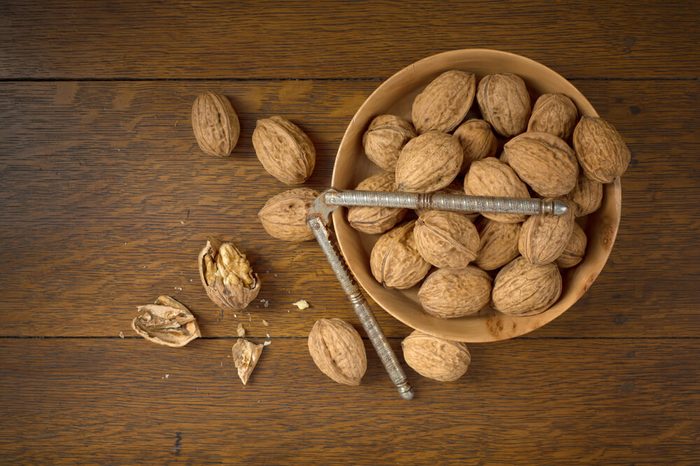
point(318, 220)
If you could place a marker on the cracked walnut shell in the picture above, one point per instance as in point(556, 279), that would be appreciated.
point(227, 275)
point(167, 322)
point(284, 150)
point(436, 358)
point(337, 350)
point(245, 357)
point(284, 215)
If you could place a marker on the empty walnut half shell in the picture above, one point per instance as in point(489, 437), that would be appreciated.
point(227, 275)
point(167, 322)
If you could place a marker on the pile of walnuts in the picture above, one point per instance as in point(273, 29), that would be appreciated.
point(505, 148)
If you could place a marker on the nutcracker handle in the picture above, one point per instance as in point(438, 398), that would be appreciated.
point(441, 201)
point(362, 309)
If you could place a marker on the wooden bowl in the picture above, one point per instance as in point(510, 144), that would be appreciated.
point(395, 96)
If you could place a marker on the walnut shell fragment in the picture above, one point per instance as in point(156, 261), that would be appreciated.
point(384, 139)
point(372, 220)
point(245, 357)
point(284, 215)
point(284, 150)
point(167, 322)
point(337, 350)
point(215, 124)
point(436, 358)
point(227, 275)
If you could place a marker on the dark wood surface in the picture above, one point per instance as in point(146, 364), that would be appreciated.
point(105, 201)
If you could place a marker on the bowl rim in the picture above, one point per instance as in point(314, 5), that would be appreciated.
point(612, 189)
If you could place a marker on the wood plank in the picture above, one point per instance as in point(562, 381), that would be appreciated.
point(523, 402)
point(105, 201)
point(336, 39)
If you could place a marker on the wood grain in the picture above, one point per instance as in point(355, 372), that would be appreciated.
point(105, 201)
point(336, 39)
point(522, 402)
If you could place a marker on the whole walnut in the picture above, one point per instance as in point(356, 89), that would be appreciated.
point(215, 124)
point(491, 177)
point(574, 250)
point(586, 196)
point(384, 139)
point(600, 149)
point(498, 243)
point(372, 220)
point(504, 102)
point(338, 351)
point(395, 261)
point(227, 276)
point(436, 358)
point(525, 289)
point(444, 102)
point(284, 215)
point(450, 293)
point(446, 239)
point(543, 161)
point(554, 114)
point(284, 150)
point(477, 140)
point(428, 163)
point(543, 237)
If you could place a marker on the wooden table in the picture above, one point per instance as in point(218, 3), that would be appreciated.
point(105, 201)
